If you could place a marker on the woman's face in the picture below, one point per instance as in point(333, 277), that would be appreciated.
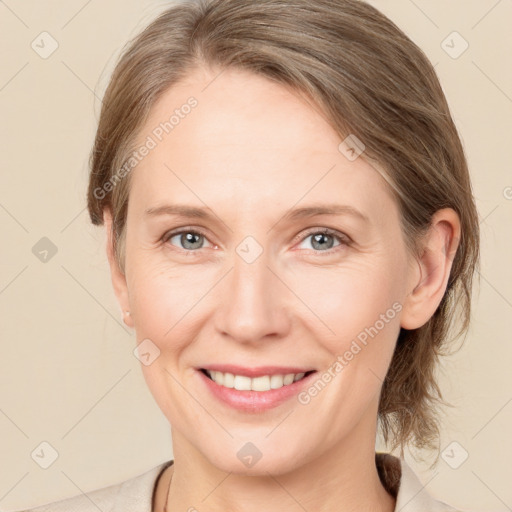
point(244, 281)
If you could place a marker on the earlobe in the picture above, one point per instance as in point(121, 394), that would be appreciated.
point(117, 276)
point(429, 279)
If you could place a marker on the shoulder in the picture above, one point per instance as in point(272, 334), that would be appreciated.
point(403, 483)
point(413, 495)
point(133, 495)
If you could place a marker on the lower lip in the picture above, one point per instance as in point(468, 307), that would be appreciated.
point(254, 401)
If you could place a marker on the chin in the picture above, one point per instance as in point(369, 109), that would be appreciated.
point(255, 459)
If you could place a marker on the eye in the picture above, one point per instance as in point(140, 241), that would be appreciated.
point(323, 240)
point(188, 239)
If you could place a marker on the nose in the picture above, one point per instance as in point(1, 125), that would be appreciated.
point(254, 302)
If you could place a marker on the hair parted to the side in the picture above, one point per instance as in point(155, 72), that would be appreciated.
point(368, 79)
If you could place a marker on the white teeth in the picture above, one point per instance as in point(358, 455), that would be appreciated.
point(288, 379)
point(219, 377)
point(276, 381)
point(242, 383)
point(260, 383)
point(263, 383)
point(224, 379)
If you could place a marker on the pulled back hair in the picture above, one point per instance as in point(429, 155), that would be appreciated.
point(368, 79)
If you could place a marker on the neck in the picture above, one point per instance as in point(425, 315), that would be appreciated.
point(344, 478)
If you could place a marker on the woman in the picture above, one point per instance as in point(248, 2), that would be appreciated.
point(235, 139)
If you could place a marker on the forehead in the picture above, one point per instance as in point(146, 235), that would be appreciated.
point(250, 141)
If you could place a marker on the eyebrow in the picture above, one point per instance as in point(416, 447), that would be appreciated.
point(177, 209)
point(295, 214)
point(325, 209)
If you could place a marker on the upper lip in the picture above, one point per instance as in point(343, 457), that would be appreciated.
point(255, 371)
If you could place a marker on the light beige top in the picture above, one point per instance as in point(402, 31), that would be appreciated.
point(136, 494)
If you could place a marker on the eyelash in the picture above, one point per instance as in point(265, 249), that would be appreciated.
point(342, 239)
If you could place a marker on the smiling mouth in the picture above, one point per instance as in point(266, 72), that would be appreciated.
point(261, 383)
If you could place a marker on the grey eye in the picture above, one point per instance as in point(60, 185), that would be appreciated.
point(188, 240)
point(322, 241)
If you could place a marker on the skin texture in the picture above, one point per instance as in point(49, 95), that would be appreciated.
point(250, 151)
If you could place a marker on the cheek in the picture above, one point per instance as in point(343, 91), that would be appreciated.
point(352, 299)
point(362, 306)
point(167, 307)
point(165, 300)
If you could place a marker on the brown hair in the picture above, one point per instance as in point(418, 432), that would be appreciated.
point(368, 79)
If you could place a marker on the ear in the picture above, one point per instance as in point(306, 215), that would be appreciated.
point(117, 276)
point(429, 280)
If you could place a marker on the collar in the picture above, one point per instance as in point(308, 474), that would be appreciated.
point(399, 479)
point(135, 495)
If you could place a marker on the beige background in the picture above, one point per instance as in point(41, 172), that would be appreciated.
point(68, 374)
